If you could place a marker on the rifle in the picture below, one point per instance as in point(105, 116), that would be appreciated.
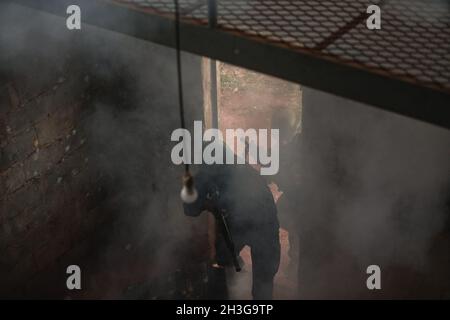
point(222, 222)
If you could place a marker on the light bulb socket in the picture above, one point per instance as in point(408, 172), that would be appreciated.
point(188, 193)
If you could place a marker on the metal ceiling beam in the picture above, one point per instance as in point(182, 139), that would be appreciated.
point(300, 66)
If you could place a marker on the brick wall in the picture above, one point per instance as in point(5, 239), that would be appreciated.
point(49, 192)
point(68, 184)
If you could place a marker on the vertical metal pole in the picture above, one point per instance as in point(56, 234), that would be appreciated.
point(212, 13)
point(212, 20)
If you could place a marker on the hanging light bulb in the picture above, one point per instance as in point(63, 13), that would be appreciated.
point(188, 193)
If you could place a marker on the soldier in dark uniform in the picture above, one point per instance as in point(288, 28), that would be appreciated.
point(242, 196)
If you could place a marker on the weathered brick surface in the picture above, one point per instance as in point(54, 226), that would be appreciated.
point(54, 178)
point(14, 178)
point(48, 195)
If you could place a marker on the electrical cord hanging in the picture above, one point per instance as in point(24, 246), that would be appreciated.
point(188, 192)
point(179, 72)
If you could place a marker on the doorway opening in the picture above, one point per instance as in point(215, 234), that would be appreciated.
point(251, 100)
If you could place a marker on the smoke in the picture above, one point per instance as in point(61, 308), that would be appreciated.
point(374, 188)
point(130, 131)
point(130, 108)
